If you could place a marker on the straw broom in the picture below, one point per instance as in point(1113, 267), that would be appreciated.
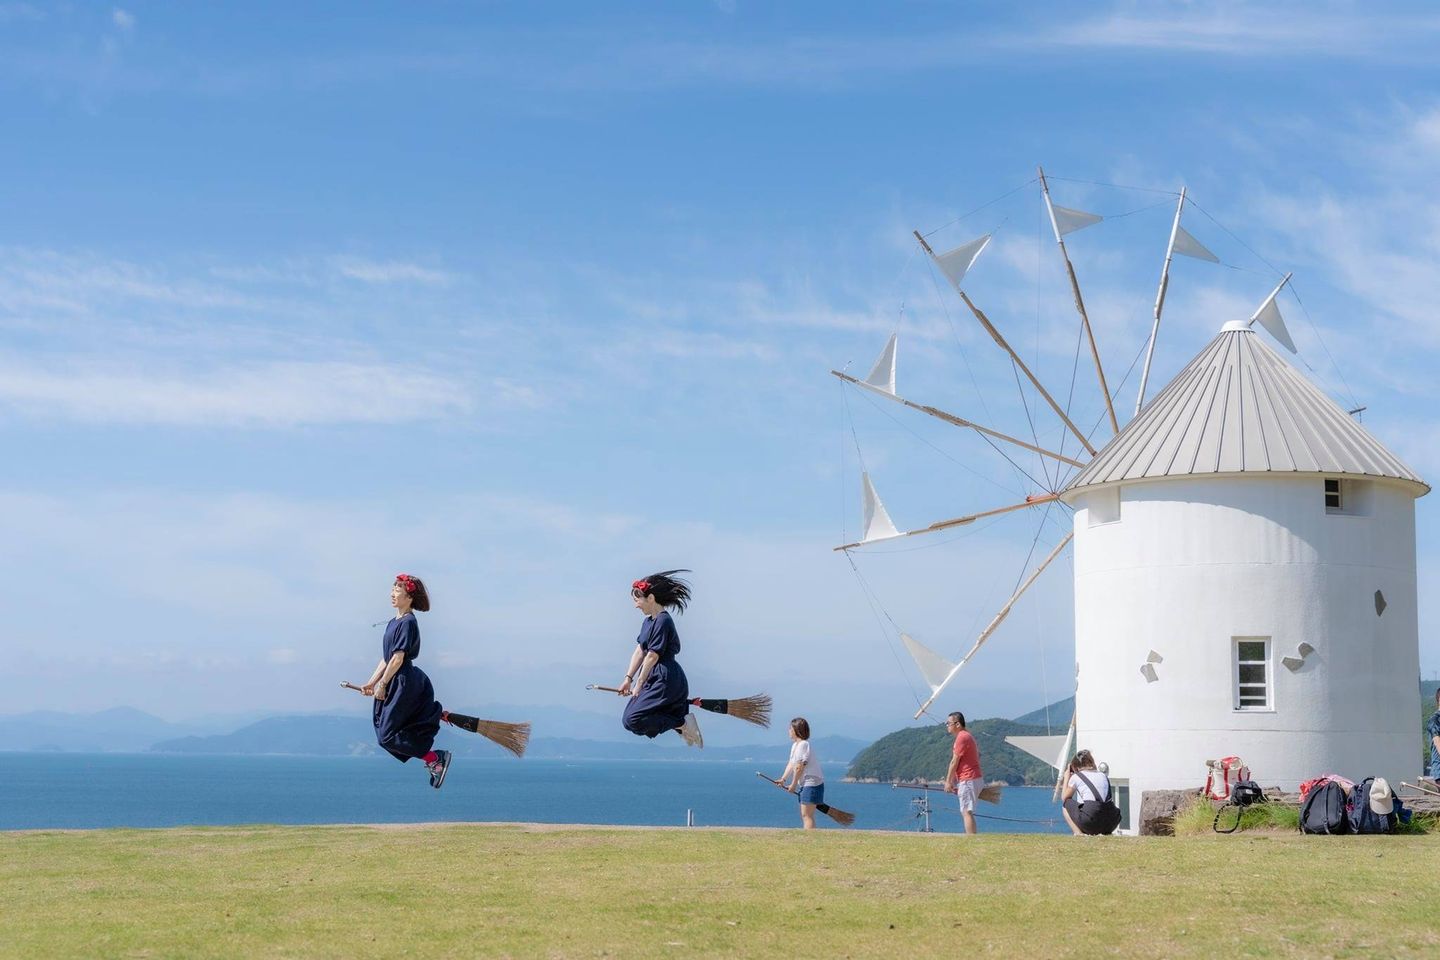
point(990, 794)
point(755, 709)
point(512, 736)
point(834, 813)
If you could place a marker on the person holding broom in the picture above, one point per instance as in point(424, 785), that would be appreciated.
point(654, 680)
point(806, 780)
point(963, 775)
point(407, 716)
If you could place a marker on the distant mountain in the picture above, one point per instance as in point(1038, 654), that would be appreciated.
point(317, 736)
point(924, 753)
point(1059, 714)
point(354, 736)
point(117, 730)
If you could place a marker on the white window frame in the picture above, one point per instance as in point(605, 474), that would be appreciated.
point(1237, 693)
point(1120, 793)
point(1338, 493)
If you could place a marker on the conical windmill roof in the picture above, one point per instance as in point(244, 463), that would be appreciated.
point(1239, 408)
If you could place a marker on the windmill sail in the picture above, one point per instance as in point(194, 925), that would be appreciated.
point(1269, 317)
point(877, 524)
point(1068, 220)
point(933, 667)
point(882, 375)
point(956, 263)
point(1186, 245)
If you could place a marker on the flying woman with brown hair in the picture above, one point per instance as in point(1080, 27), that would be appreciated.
point(659, 691)
point(407, 715)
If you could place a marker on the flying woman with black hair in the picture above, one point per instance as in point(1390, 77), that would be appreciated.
point(407, 715)
point(659, 691)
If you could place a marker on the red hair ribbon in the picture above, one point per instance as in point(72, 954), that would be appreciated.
point(642, 585)
point(407, 582)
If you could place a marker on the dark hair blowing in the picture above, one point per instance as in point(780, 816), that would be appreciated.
point(419, 599)
point(670, 590)
point(801, 726)
point(1082, 761)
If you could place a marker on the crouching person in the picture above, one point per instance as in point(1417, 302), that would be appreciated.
point(1088, 806)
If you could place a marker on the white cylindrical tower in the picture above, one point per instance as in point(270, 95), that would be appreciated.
point(1245, 584)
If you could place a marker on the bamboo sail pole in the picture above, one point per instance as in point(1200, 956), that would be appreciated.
point(995, 623)
point(1079, 303)
point(1160, 302)
point(1000, 340)
point(957, 522)
point(961, 421)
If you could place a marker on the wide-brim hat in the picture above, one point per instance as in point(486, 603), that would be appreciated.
point(1382, 799)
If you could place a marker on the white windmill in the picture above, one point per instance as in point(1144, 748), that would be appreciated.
point(1244, 557)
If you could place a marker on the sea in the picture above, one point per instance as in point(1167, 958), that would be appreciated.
point(72, 791)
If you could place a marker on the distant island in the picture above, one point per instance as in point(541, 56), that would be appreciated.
point(923, 753)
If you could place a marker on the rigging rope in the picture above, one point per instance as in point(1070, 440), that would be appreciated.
point(991, 203)
point(966, 360)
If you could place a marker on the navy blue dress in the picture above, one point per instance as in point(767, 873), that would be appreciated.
point(408, 719)
point(665, 699)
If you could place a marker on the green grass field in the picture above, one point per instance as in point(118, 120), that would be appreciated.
point(517, 891)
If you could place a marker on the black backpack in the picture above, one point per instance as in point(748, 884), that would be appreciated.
point(1098, 817)
point(1362, 818)
point(1324, 810)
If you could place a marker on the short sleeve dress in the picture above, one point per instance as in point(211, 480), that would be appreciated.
point(408, 719)
point(665, 699)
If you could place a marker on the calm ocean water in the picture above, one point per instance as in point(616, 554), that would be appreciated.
point(87, 791)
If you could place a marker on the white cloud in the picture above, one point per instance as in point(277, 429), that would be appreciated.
point(388, 271)
point(283, 393)
point(123, 19)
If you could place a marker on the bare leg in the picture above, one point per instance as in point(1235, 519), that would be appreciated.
point(807, 815)
point(969, 818)
point(1073, 829)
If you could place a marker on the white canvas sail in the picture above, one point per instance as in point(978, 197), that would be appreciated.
point(1068, 220)
point(882, 375)
point(933, 667)
point(956, 263)
point(1269, 317)
point(1186, 245)
point(877, 524)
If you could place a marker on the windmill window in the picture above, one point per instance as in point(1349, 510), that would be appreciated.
point(1120, 793)
point(1334, 497)
point(1104, 506)
point(1252, 673)
point(1347, 498)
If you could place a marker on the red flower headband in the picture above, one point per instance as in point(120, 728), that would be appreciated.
point(407, 582)
point(641, 585)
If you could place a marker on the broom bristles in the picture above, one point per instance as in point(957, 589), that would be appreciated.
point(842, 817)
point(512, 736)
point(991, 793)
point(754, 709)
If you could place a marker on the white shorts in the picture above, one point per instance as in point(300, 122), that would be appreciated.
point(968, 791)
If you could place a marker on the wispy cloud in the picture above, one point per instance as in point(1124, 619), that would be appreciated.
point(1344, 31)
point(389, 271)
point(613, 57)
point(283, 394)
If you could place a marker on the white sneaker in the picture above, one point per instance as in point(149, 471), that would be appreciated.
point(690, 731)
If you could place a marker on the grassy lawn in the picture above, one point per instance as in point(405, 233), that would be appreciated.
point(516, 891)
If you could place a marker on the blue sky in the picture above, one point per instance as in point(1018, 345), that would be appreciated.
point(533, 299)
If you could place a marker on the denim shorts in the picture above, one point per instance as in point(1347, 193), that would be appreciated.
point(815, 794)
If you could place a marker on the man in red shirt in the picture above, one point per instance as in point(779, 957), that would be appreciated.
point(963, 775)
